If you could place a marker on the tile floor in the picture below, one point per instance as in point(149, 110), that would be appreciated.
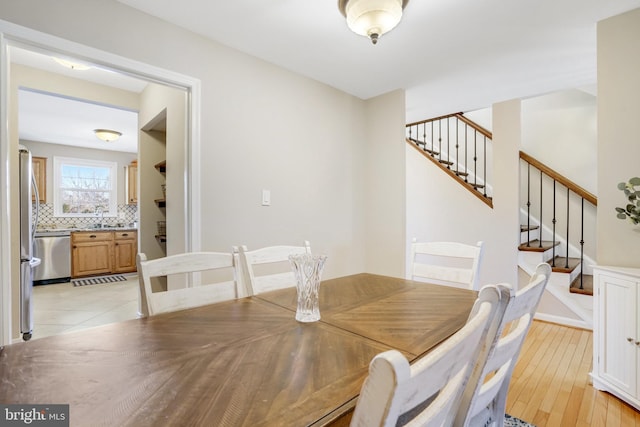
point(61, 308)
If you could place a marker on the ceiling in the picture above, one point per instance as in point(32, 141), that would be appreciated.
point(54, 119)
point(448, 55)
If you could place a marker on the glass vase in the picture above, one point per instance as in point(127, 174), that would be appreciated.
point(307, 269)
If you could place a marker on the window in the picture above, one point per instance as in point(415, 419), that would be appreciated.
point(84, 187)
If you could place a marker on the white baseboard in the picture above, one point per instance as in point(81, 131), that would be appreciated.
point(565, 321)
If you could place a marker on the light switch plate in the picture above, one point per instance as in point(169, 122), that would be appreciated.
point(266, 198)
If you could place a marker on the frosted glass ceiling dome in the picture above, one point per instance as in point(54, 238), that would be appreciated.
point(372, 18)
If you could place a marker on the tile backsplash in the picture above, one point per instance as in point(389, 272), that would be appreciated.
point(127, 214)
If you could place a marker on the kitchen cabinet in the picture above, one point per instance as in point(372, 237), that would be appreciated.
point(103, 252)
point(616, 332)
point(125, 249)
point(132, 183)
point(91, 253)
point(39, 166)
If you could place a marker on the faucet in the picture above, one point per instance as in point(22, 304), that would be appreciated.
point(100, 212)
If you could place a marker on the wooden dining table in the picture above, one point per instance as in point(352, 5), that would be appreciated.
point(245, 362)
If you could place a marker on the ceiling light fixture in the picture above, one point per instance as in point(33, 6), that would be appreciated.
point(107, 135)
point(73, 65)
point(372, 18)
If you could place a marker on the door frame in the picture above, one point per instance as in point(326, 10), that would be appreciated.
point(19, 36)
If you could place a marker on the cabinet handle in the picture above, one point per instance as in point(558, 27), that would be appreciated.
point(125, 234)
point(629, 339)
point(93, 236)
point(638, 343)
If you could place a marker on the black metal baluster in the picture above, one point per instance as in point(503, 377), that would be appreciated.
point(566, 263)
point(433, 141)
point(553, 250)
point(485, 166)
point(466, 150)
point(448, 146)
point(582, 245)
point(440, 139)
point(457, 148)
point(540, 219)
point(529, 204)
point(475, 158)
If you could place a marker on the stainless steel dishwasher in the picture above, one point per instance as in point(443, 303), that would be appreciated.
point(53, 247)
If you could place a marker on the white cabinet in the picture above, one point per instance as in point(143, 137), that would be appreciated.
point(616, 332)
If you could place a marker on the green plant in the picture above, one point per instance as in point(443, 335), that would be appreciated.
point(632, 210)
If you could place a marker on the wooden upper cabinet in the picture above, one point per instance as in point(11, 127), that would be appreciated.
point(39, 165)
point(132, 183)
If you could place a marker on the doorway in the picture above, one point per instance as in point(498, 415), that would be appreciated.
point(144, 73)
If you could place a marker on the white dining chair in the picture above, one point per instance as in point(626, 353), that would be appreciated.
point(446, 263)
point(268, 268)
point(484, 399)
point(428, 392)
point(223, 287)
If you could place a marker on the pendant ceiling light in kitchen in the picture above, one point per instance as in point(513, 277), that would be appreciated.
point(107, 135)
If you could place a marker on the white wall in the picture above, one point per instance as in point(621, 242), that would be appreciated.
point(385, 185)
point(618, 130)
point(302, 141)
point(559, 129)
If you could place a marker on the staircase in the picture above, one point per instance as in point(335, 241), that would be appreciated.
point(458, 146)
point(554, 216)
point(559, 239)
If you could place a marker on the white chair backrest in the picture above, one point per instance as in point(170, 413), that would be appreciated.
point(485, 396)
point(275, 276)
point(446, 263)
point(191, 262)
point(428, 392)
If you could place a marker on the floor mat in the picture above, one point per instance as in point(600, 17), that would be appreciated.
point(97, 280)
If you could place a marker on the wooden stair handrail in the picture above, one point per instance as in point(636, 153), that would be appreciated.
point(589, 197)
point(474, 125)
point(460, 117)
point(446, 116)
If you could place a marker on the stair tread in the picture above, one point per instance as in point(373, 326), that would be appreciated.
point(562, 265)
point(534, 246)
point(587, 285)
point(422, 143)
point(529, 228)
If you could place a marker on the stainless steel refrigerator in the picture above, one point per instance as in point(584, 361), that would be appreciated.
point(28, 221)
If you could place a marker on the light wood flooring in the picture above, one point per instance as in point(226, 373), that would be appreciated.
point(550, 385)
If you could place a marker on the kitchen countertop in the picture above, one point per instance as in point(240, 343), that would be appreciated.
point(74, 230)
point(104, 229)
